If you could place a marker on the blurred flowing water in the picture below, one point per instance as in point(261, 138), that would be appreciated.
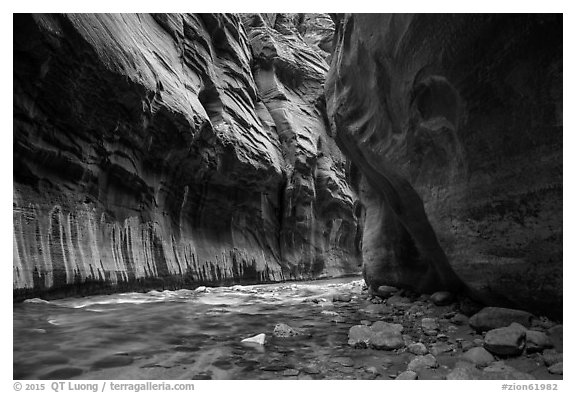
point(189, 334)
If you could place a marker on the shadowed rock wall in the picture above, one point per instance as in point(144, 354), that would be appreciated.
point(455, 122)
point(156, 149)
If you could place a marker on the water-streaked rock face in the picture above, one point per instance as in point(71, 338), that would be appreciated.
point(455, 122)
point(158, 147)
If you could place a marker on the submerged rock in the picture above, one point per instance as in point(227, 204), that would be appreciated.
point(419, 362)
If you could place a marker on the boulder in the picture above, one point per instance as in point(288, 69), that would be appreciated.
point(478, 356)
point(283, 330)
point(439, 348)
point(429, 324)
point(442, 298)
point(506, 341)
point(385, 291)
point(556, 368)
point(380, 335)
point(551, 357)
point(464, 371)
point(556, 336)
point(344, 298)
point(496, 317)
point(422, 361)
point(459, 319)
point(417, 349)
point(537, 341)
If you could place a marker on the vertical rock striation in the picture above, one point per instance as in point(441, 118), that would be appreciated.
point(153, 149)
point(455, 122)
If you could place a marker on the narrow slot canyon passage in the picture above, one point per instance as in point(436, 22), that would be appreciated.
point(288, 196)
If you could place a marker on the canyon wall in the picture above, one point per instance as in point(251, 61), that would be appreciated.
point(174, 150)
point(455, 122)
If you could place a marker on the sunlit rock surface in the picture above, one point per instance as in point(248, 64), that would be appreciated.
point(455, 122)
point(157, 149)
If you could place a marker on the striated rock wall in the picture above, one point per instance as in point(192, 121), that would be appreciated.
point(455, 122)
point(156, 149)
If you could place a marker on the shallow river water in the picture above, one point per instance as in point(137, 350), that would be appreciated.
point(193, 334)
point(186, 334)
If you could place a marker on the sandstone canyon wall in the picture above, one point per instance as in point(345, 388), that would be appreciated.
point(455, 122)
point(175, 150)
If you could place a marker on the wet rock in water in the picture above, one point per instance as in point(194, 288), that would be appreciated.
point(464, 371)
point(113, 361)
point(556, 336)
point(418, 349)
point(283, 330)
point(342, 360)
point(478, 356)
point(537, 341)
point(311, 369)
point(429, 324)
point(201, 289)
point(407, 375)
point(500, 370)
point(63, 373)
point(479, 342)
point(420, 362)
point(385, 291)
point(380, 335)
point(440, 348)
point(466, 345)
point(258, 339)
point(398, 301)
point(551, 357)
point(382, 309)
point(459, 319)
point(556, 368)
point(274, 366)
point(442, 298)
point(497, 317)
point(338, 319)
point(506, 341)
point(290, 372)
point(344, 298)
point(359, 336)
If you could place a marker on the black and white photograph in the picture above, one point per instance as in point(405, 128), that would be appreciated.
point(286, 196)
